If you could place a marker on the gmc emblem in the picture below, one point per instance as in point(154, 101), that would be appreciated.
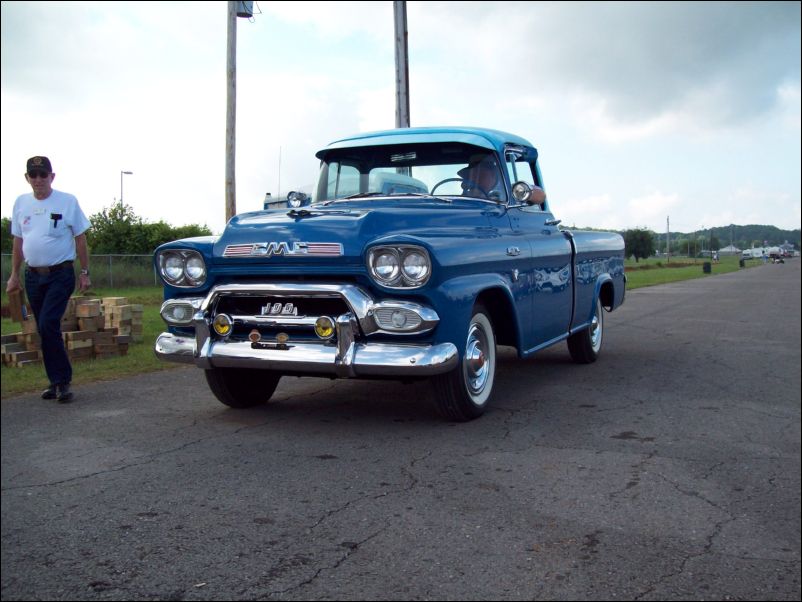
point(296, 249)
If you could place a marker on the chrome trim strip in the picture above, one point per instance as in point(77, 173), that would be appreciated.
point(357, 299)
point(361, 304)
point(274, 321)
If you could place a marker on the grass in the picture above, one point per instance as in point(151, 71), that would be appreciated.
point(141, 359)
point(653, 271)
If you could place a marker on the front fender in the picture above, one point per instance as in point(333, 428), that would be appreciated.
point(454, 300)
point(203, 245)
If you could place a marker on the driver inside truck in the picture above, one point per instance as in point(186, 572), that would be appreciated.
point(482, 179)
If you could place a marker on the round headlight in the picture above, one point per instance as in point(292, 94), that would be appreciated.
point(196, 269)
point(173, 267)
point(385, 265)
point(416, 266)
point(182, 267)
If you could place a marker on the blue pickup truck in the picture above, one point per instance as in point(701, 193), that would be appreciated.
point(423, 249)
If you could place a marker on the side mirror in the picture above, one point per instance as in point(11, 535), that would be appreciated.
point(521, 192)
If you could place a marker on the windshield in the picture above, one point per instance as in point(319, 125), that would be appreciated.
point(431, 169)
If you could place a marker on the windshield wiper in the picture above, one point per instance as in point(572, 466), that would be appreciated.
point(359, 195)
point(427, 196)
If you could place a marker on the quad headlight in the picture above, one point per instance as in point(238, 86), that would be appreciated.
point(182, 267)
point(400, 266)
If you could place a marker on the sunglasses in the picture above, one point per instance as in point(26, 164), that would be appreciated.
point(38, 174)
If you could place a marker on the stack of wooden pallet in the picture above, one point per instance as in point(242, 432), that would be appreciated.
point(92, 329)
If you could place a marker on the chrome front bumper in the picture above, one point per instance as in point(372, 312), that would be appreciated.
point(371, 359)
point(348, 356)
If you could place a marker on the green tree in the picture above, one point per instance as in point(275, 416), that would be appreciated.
point(113, 230)
point(117, 229)
point(639, 243)
point(190, 231)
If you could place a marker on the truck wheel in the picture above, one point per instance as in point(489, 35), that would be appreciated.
point(585, 345)
point(463, 393)
point(242, 387)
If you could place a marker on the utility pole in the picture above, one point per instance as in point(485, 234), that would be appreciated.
point(401, 65)
point(244, 9)
point(668, 242)
point(231, 111)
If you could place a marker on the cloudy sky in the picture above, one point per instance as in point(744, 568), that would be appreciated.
point(640, 110)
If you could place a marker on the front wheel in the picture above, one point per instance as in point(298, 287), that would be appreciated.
point(242, 387)
point(585, 345)
point(463, 393)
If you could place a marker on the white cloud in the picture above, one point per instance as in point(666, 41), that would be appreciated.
point(684, 99)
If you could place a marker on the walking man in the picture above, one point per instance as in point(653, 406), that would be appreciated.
point(49, 229)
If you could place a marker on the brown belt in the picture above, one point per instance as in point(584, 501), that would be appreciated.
point(51, 268)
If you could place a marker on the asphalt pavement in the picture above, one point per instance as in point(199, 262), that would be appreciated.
point(669, 469)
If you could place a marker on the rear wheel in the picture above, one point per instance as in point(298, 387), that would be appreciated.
point(463, 394)
point(585, 345)
point(242, 387)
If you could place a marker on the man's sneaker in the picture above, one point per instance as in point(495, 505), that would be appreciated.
point(64, 394)
point(50, 392)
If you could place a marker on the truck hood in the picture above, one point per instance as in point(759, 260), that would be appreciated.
point(345, 228)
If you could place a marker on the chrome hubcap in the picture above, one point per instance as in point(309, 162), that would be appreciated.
point(596, 329)
point(477, 369)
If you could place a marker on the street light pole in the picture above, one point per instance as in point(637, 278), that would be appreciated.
point(123, 173)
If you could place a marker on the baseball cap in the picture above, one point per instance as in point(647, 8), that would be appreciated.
point(486, 161)
point(39, 163)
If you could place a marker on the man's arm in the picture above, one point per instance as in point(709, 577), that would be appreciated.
point(16, 264)
point(83, 256)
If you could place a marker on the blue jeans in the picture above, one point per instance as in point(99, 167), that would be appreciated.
point(48, 295)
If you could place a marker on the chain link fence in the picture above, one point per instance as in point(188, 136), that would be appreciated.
point(108, 270)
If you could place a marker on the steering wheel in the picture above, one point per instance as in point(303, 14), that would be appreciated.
point(444, 181)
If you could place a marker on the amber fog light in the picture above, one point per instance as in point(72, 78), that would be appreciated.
point(222, 325)
point(324, 327)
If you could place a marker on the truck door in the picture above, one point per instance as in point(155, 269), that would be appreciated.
point(547, 272)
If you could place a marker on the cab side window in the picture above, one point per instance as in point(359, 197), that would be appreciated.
point(521, 170)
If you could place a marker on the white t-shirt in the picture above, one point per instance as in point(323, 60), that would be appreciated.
point(48, 227)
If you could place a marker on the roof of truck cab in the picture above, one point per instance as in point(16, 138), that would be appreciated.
point(486, 138)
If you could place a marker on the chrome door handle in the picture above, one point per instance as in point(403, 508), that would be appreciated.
point(513, 251)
